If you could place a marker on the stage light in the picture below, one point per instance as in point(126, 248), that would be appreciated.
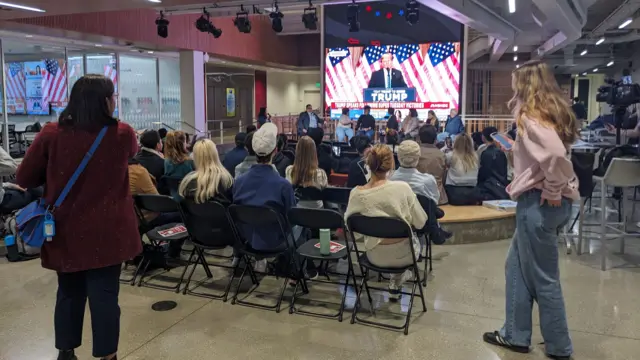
point(368, 8)
point(401, 12)
point(377, 13)
point(276, 19)
point(204, 24)
point(389, 15)
point(163, 26)
point(242, 21)
point(352, 17)
point(413, 12)
point(310, 18)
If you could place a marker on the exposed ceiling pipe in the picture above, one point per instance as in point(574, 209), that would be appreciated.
point(624, 11)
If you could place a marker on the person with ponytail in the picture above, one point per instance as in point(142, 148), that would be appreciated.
point(381, 197)
point(544, 186)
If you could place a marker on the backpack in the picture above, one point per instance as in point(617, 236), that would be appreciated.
point(25, 252)
point(607, 155)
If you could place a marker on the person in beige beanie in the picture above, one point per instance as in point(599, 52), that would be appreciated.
point(423, 184)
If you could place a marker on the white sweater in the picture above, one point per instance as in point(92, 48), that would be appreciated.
point(392, 199)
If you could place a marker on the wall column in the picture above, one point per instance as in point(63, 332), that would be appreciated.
point(192, 92)
point(465, 63)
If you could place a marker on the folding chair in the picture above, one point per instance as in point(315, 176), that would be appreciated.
point(320, 219)
point(384, 228)
point(157, 204)
point(429, 207)
point(209, 228)
point(256, 217)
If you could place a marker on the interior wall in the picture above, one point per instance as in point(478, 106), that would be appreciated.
point(286, 92)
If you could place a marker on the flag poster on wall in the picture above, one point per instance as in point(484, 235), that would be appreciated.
point(231, 102)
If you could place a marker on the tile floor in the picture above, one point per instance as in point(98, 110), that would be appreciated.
point(465, 297)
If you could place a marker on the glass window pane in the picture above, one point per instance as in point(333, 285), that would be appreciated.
point(76, 67)
point(139, 92)
point(170, 92)
point(103, 64)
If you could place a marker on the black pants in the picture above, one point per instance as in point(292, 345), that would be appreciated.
point(462, 195)
point(101, 286)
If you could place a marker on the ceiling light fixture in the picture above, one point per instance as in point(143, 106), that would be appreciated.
point(517, 66)
point(242, 21)
point(98, 45)
point(515, 58)
point(276, 18)
point(352, 17)
point(625, 23)
point(155, 1)
point(28, 36)
point(163, 26)
point(512, 6)
point(600, 41)
point(584, 52)
point(610, 63)
point(595, 70)
point(310, 18)
point(21, 7)
point(203, 24)
point(515, 48)
point(584, 74)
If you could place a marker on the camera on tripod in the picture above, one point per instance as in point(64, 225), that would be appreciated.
point(620, 94)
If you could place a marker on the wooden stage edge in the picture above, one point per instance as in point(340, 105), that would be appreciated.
point(477, 224)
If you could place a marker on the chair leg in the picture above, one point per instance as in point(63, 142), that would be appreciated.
point(244, 271)
point(358, 294)
point(193, 269)
point(204, 263)
point(580, 219)
point(603, 227)
point(424, 306)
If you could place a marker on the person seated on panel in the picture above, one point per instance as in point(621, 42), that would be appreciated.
point(251, 128)
point(142, 183)
point(308, 120)
point(344, 131)
point(453, 126)
point(236, 155)
point(462, 174)
point(262, 116)
point(432, 119)
point(325, 161)
point(432, 160)
point(177, 162)
point(150, 155)
point(283, 157)
point(305, 171)
point(420, 183)
point(410, 125)
point(493, 173)
point(392, 120)
point(381, 197)
point(358, 171)
point(366, 123)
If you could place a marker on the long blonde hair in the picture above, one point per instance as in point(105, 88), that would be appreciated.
point(463, 154)
point(538, 96)
point(305, 164)
point(175, 147)
point(209, 175)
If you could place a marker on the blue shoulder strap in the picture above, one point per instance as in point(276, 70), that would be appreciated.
point(81, 167)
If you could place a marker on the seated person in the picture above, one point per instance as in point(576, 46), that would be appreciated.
point(305, 171)
point(448, 146)
point(251, 158)
point(344, 131)
point(251, 128)
point(423, 184)
point(150, 155)
point(283, 158)
point(141, 183)
point(432, 160)
point(177, 163)
point(358, 172)
point(410, 125)
point(462, 174)
point(366, 123)
point(12, 196)
point(237, 155)
point(324, 152)
point(493, 172)
point(382, 197)
point(453, 126)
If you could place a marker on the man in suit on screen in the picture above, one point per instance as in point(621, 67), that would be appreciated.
point(387, 77)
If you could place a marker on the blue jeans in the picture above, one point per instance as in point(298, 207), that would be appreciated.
point(367, 133)
point(341, 132)
point(532, 273)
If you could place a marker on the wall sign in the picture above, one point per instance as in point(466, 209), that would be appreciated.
point(231, 102)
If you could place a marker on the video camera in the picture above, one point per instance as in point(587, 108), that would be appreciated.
point(619, 94)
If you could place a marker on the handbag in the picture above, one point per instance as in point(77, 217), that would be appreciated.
point(35, 223)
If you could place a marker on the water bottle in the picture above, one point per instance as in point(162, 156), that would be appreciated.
point(325, 242)
point(12, 249)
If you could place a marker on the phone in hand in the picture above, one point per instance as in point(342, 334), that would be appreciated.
point(503, 140)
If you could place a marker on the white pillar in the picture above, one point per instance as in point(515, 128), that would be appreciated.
point(465, 65)
point(192, 91)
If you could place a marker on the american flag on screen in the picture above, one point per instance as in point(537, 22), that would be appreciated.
point(111, 73)
point(16, 87)
point(54, 82)
point(432, 69)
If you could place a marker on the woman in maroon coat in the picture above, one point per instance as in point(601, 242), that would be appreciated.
point(96, 226)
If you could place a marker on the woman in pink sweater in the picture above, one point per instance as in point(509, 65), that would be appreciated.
point(544, 185)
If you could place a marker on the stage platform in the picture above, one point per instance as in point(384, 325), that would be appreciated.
point(475, 224)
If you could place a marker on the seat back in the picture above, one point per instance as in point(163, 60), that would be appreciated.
point(430, 207)
point(155, 203)
point(308, 193)
point(380, 227)
point(336, 195)
point(170, 183)
point(208, 224)
point(623, 172)
point(257, 217)
point(315, 218)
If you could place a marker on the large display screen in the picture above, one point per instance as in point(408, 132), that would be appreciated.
point(410, 76)
point(36, 87)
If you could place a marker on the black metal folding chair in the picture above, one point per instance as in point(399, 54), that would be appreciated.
point(321, 219)
point(209, 229)
point(157, 204)
point(336, 195)
point(429, 207)
point(384, 228)
point(256, 217)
